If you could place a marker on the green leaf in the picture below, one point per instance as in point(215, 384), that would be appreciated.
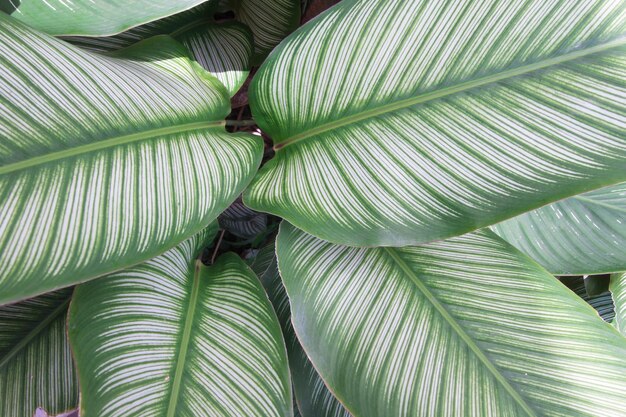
point(106, 161)
point(270, 21)
point(242, 222)
point(581, 235)
point(463, 327)
point(312, 396)
point(224, 49)
point(618, 291)
point(36, 366)
point(402, 122)
point(92, 17)
point(172, 337)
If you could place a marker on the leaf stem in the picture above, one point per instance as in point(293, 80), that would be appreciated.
point(240, 123)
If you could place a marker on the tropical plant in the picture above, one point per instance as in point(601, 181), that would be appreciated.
point(392, 209)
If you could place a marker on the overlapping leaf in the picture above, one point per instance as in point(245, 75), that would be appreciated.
point(618, 291)
point(106, 161)
point(401, 122)
point(91, 17)
point(270, 21)
point(224, 49)
point(602, 303)
point(36, 366)
point(312, 396)
point(584, 234)
point(464, 327)
point(172, 337)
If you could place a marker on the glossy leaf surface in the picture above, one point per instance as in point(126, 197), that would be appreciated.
point(172, 337)
point(223, 49)
point(402, 122)
point(91, 17)
point(584, 234)
point(464, 327)
point(106, 161)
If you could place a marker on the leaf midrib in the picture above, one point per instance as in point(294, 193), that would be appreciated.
point(448, 91)
point(106, 143)
point(586, 200)
point(35, 332)
point(441, 309)
point(185, 341)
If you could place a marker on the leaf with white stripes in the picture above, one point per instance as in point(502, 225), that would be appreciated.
point(270, 21)
point(174, 338)
point(618, 291)
point(312, 396)
point(36, 366)
point(584, 234)
point(91, 17)
point(463, 327)
point(402, 122)
point(106, 161)
point(224, 49)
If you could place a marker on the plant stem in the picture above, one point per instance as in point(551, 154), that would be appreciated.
point(240, 123)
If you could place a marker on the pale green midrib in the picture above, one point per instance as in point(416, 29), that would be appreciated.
point(599, 203)
point(106, 143)
point(455, 89)
point(185, 339)
point(35, 332)
point(459, 330)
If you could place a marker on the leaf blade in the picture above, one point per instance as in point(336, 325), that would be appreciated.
point(422, 132)
point(361, 316)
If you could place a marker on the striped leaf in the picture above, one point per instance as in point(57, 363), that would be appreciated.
point(36, 366)
point(618, 290)
point(602, 303)
point(172, 337)
point(584, 234)
point(242, 222)
point(106, 161)
point(312, 396)
point(91, 17)
point(402, 122)
point(224, 49)
point(463, 327)
point(270, 21)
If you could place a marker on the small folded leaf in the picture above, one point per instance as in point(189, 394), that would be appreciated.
point(618, 291)
point(242, 221)
point(402, 122)
point(581, 235)
point(223, 49)
point(172, 337)
point(312, 396)
point(463, 327)
point(36, 366)
point(106, 161)
point(91, 17)
point(602, 303)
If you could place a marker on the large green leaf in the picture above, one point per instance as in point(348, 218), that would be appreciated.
point(172, 337)
point(106, 161)
point(584, 234)
point(270, 21)
point(618, 291)
point(91, 17)
point(36, 366)
point(312, 396)
point(401, 122)
point(463, 327)
point(224, 49)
